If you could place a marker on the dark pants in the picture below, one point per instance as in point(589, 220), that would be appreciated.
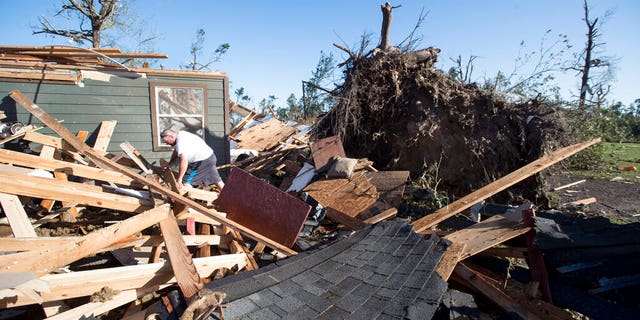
point(202, 172)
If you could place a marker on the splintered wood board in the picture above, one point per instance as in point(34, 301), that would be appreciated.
point(486, 234)
point(265, 136)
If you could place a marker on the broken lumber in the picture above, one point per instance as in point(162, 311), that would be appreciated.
point(501, 184)
point(67, 191)
point(108, 164)
point(478, 281)
point(18, 220)
point(486, 234)
point(31, 161)
point(44, 261)
point(84, 283)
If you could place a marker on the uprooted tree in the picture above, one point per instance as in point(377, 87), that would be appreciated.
point(397, 110)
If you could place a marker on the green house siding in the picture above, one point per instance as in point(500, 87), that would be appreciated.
point(125, 100)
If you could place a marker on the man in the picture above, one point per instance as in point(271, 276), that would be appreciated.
point(197, 160)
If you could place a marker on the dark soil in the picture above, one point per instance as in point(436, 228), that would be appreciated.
point(617, 200)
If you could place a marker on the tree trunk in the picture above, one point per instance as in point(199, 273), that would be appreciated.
point(591, 34)
point(386, 24)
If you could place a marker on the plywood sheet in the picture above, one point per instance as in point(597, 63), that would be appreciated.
point(348, 196)
point(322, 150)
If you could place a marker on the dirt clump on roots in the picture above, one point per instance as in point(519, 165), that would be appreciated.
point(404, 114)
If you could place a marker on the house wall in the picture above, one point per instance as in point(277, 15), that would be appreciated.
point(122, 99)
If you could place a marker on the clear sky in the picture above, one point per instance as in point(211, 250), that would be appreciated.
point(276, 44)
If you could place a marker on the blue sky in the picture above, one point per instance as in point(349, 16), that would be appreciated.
point(276, 44)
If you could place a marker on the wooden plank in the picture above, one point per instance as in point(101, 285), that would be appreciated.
point(263, 207)
point(449, 260)
point(500, 185)
point(134, 155)
point(505, 252)
point(85, 283)
point(322, 150)
point(42, 262)
point(31, 161)
point(387, 214)
point(180, 258)
point(477, 281)
point(104, 135)
point(55, 142)
point(67, 191)
point(107, 164)
point(581, 202)
point(486, 234)
point(569, 185)
point(18, 219)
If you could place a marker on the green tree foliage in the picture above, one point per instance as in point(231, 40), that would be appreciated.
point(316, 98)
point(196, 51)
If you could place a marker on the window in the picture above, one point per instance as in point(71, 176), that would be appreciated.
point(177, 106)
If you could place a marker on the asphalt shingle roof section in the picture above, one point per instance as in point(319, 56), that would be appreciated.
point(384, 271)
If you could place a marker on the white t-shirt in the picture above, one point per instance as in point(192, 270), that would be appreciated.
point(194, 147)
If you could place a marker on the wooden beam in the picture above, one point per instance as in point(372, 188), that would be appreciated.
point(449, 260)
point(108, 164)
point(384, 215)
point(477, 281)
point(486, 234)
point(85, 283)
point(180, 258)
point(42, 262)
point(104, 135)
point(18, 219)
point(500, 185)
point(31, 161)
point(40, 243)
point(137, 157)
point(67, 191)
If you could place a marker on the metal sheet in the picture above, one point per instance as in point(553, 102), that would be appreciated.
point(262, 207)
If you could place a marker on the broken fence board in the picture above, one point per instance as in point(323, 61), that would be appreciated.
point(103, 162)
point(42, 262)
point(499, 185)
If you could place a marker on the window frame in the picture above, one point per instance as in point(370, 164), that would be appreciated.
point(156, 115)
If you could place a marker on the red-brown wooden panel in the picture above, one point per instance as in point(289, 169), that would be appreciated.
point(262, 207)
